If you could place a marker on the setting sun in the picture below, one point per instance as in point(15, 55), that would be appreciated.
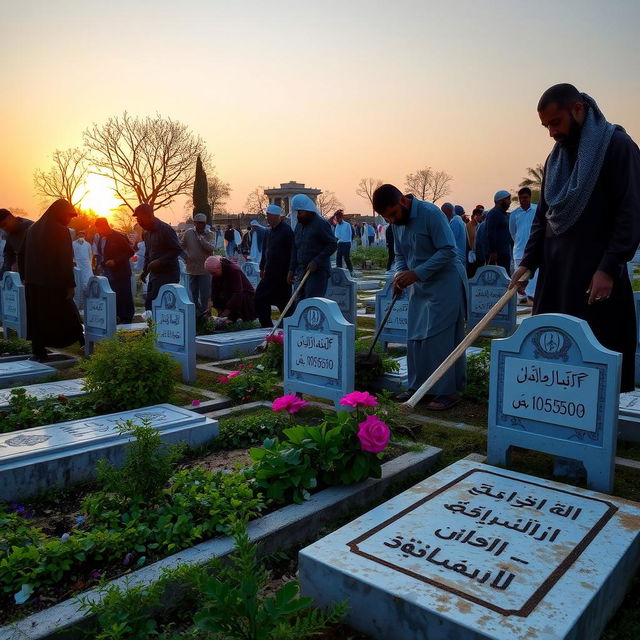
point(99, 195)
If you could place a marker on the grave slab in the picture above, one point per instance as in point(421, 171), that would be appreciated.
point(58, 455)
point(23, 371)
point(636, 299)
point(252, 271)
point(396, 328)
point(221, 346)
point(341, 288)
point(485, 289)
point(13, 306)
point(479, 553)
point(68, 388)
point(629, 416)
point(368, 285)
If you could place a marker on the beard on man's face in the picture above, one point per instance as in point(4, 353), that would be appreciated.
point(573, 137)
point(403, 218)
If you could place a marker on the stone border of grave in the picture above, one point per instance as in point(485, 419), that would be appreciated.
point(279, 529)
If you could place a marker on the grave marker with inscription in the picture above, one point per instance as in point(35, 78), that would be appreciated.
point(636, 299)
point(319, 351)
point(23, 371)
point(554, 388)
point(175, 319)
point(67, 388)
point(396, 328)
point(485, 289)
point(479, 552)
point(342, 289)
point(252, 271)
point(99, 312)
point(13, 305)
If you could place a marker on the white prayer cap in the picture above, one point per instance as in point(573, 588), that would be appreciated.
point(501, 195)
point(301, 202)
point(275, 210)
point(200, 217)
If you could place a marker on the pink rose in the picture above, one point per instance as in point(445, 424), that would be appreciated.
point(373, 434)
point(357, 399)
point(195, 403)
point(232, 374)
point(223, 380)
point(290, 403)
point(276, 338)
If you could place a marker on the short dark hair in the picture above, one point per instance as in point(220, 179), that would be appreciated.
point(385, 196)
point(4, 213)
point(524, 191)
point(477, 210)
point(564, 95)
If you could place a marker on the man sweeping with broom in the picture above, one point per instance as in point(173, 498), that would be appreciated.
point(426, 261)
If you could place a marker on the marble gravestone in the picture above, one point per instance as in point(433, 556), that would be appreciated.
point(23, 371)
point(396, 328)
point(554, 388)
point(13, 306)
point(485, 289)
point(319, 351)
point(174, 316)
point(636, 299)
point(252, 271)
point(229, 344)
point(479, 553)
point(58, 455)
point(68, 388)
point(99, 312)
point(342, 289)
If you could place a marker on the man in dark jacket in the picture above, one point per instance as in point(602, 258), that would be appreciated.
point(161, 255)
point(15, 229)
point(273, 288)
point(314, 245)
point(232, 295)
point(498, 231)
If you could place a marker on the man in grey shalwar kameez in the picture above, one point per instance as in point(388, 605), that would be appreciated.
point(426, 262)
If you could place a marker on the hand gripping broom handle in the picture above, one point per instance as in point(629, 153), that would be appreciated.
point(462, 347)
point(292, 299)
point(396, 295)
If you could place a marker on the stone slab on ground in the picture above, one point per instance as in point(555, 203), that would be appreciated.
point(133, 326)
point(480, 553)
point(23, 371)
point(629, 416)
point(61, 454)
point(368, 285)
point(68, 388)
point(220, 346)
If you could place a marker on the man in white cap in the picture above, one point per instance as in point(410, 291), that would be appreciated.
point(273, 288)
point(198, 244)
point(498, 231)
point(258, 233)
point(314, 245)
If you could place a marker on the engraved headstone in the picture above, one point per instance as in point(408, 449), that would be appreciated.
point(341, 288)
point(396, 328)
point(67, 388)
point(475, 552)
point(319, 351)
point(175, 318)
point(636, 299)
point(485, 289)
point(23, 371)
point(229, 344)
point(58, 455)
point(99, 312)
point(252, 271)
point(554, 388)
point(12, 304)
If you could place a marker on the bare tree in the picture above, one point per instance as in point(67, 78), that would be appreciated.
point(68, 172)
point(366, 187)
point(149, 159)
point(327, 203)
point(257, 201)
point(122, 220)
point(219, 191)
point(428, 184)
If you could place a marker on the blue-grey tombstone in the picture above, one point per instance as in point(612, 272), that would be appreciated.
point(13, 304)
point(554, 388)
point(342, 288)
point(636, 299)
point(175, 318)
point(396, 328)
point(319, 351)
point(485, 289)
point(252, 271)
point(99, 312)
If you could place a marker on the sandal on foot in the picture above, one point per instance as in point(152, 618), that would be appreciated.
point(443, 403)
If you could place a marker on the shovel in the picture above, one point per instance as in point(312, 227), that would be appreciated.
point(409, 405)
point(371, 359)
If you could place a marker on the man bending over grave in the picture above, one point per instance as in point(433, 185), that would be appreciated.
point(274, 266)
point(15, 229)
point(587, 225)
point(314, 245)
point(161, 254)
point(426, 261)
point(116, 253)
point(231, 292)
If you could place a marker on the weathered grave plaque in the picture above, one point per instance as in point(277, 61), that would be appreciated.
point(554, 388)
point(67, 388)
point(636, 299)
point(485, 289)
point(23, 371)
point(67, 452)
point(629, 416)
point(341, 288)
point(175, 319)
point(225, 345)
point(99, 312)
point(13, 305)
point(396, 328)
point(319, 351)
point(475, 552)
point(252, 271)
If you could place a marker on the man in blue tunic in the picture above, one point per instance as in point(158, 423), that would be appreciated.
point(426, 261)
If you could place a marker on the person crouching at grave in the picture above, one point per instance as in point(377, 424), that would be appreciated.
point(274, 289)
point(116, 254)
point(161, 253)
point(198, 244)
point(426, 262)
point(15, 229)
point(52, 317)
point(232, 295)
point(314, 243)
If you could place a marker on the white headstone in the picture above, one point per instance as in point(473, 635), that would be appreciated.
point(12, 304)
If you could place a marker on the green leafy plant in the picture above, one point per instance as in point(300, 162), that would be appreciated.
point(249, 382)
point(377, 255)
point(366, 375)
point(478, 376)
point(208, 325)
point(273, 357)
point(14, 346)
point(127, 372)
point(249, 430)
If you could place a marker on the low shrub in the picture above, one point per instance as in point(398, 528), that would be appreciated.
point(366, 375)
point(377, 255)
point(14, 347)
point(249, 382)
point(478, 376)
point(273, 357)
point(236, 433)
point(208, 325)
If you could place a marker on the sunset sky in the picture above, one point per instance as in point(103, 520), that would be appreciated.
point(319, 92)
